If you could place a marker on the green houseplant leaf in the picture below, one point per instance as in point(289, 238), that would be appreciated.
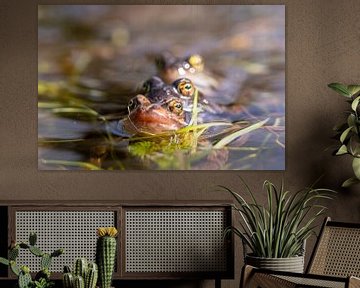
point(342, 150)
point(349, 131)
point(353, 89)
point(349, 182)
point(356, 167)
point(340, 88)
point(355, 103)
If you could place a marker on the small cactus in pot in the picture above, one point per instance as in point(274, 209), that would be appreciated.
point(106, 254)
point(85, 275)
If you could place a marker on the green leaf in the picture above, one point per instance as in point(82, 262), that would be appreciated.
point(351, 120)
point(355, 103)
point(226, 140)
point(353, 145)
point(349, 182)
point(4, 261)
point(353, 89)
point(75, 110)
point(340, 88)
point(345, 134)
point(356, 167)
point(342, 150)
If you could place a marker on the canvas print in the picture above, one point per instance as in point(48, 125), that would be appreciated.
point(161, 87)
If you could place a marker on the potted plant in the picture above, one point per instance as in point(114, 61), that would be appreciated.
point(276, 233)
point(349, 132)
point(42, 278)
point(84, 274)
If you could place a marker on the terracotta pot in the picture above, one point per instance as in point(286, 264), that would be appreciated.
point(291, 264)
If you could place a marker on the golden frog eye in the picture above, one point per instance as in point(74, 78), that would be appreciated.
point(185, 87)
point(176, 107)
point(197, 62)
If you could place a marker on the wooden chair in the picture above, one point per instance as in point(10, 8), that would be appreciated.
point(335, 262)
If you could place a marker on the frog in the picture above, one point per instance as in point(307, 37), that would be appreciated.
point(156, 90)
point(146, 117)
point(214, 87)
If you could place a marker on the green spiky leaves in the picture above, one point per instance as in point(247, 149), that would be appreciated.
point(279, 228)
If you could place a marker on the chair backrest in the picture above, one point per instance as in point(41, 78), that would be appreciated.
point(337, 251)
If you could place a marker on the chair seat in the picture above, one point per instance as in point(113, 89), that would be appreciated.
point(315, 282)
point(263, 278)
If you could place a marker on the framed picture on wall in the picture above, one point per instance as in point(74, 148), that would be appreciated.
point(161, 87)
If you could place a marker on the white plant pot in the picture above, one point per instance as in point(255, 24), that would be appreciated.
point(291, 264)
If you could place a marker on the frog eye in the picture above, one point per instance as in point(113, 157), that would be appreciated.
point(133, 103)
point(176, 107)
point(197, 62)
point(186, 88)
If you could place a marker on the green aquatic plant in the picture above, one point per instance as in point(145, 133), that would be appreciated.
point(349, 132)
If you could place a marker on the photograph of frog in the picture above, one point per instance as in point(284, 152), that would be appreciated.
point(161, 87)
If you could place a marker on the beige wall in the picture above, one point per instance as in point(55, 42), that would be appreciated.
point(323, 46)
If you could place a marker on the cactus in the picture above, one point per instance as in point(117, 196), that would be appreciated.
point(24, 277)
point(105, 254)
point(36, 251)
point(42, 278)
point(91, 276)
point(79, 282)
point(89, 272)
point(80, 267)
point(44, 273)
point(4, 261)
point(57, 253)
point(32, 238)
point(13, 253)
point(45, 261)
point(68, 280)
point(14, 268)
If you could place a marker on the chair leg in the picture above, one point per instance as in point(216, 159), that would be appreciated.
point(246, 273)
point(217, 283)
